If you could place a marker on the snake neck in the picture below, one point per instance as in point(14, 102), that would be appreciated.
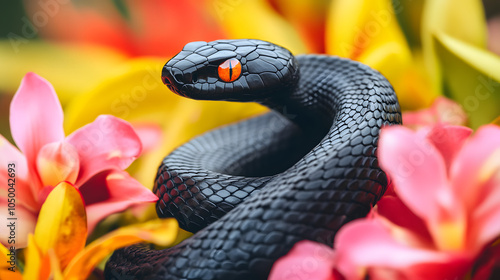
point(313, 102)
point(326, 86)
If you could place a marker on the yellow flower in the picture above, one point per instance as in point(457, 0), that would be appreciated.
point(57, 249)
point(368, 31)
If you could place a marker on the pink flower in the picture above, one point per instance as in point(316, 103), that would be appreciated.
point(494, 34)
point(306, 261)
point(446, 212)
point(442, 111)
point(439, 224)
point(92, 158)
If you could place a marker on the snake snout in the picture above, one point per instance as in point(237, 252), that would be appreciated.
point(172, 79)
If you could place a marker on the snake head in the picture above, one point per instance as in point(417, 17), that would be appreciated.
point(231, 70)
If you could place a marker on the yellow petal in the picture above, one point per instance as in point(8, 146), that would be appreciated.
point(471, 77)
point(137, 92)
point(37, 265)
point(72, 70)
point(464, 21)
point(162, 232)
point(368, 31)
point(56, 273)
point(62, 223)
point(8, 266)
point(344, 28)
point(257, 20)
point(138, 95)
point(414, 88)
point(449, 236)
point(355, 27)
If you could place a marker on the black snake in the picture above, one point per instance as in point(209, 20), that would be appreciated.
point(252, 190)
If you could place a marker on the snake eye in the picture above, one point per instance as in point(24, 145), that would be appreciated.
point(230, 70)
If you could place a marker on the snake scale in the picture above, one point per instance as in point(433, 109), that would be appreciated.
point(253, 189)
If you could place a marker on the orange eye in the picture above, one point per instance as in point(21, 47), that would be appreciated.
point(230, 70)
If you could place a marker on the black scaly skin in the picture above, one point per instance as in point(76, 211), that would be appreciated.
point(253, 189)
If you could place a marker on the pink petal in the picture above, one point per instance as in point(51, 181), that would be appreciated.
point(150, 135)
point(367, 245)
point(417, 119)
point(415, 166)
point(421, 182)
point(57, 162)
point(494, 34)
point(105, 144)
point(485, 225)
point(394, 210)
point(449, 140)
point(24, 195)
point(36, 116)
point(475, 164)
point(23, 225)
point(111, 192)
point(306, 260)
point(449, 112)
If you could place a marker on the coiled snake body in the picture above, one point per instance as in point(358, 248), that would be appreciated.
point(252, 190)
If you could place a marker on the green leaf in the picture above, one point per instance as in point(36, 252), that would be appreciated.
point(409, 15)
point(122, 8)
point(471, 77)
point(464, 21)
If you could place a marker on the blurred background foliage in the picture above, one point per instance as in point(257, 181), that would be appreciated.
point(108, 55)
point(12, 11)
